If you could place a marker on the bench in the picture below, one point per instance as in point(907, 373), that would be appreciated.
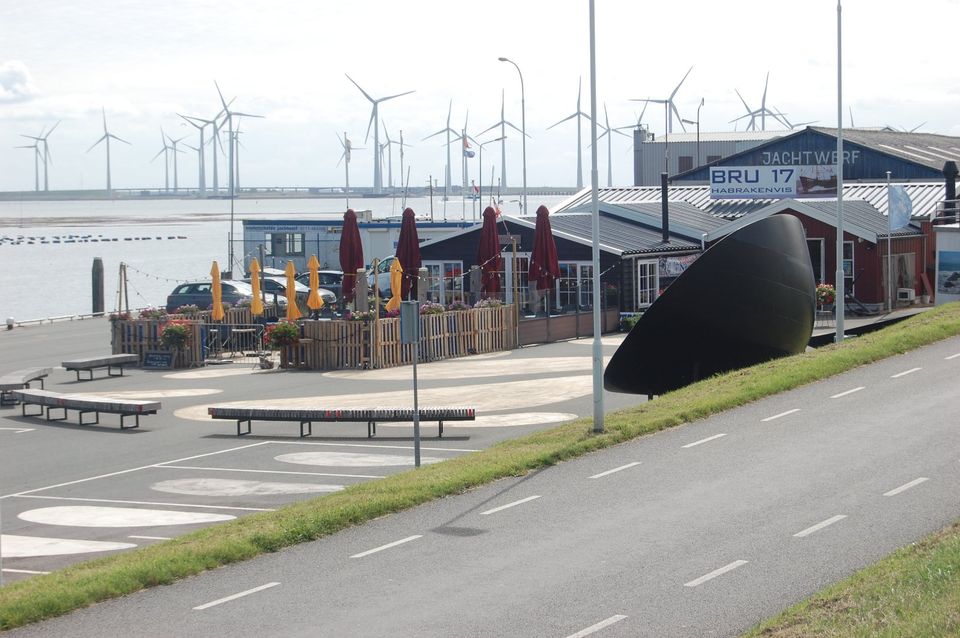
point(84, 404)
point(307, 416)
point(19, 379)
point(92, 363)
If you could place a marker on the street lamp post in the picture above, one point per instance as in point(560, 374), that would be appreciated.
point(523, 132)
point(480, 168)
point(697, 122)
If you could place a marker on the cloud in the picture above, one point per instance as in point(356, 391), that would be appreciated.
point(16, 85)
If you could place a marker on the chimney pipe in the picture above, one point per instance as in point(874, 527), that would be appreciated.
point(664, 212)
point(950, 173)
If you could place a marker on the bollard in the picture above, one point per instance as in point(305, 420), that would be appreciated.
point(10, 323)
point(97, 286)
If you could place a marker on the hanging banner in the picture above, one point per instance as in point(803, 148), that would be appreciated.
point(772, 182)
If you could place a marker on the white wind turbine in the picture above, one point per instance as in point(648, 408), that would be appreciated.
point(465, 138)
point(448, 131)
point(762, 112)
point(166, 160)
point(671, 108)
point(200, 124)
point(503, 123)
point(578, 114)
point(375, 123)
point(173, 147)
point(45, 156)
point(107, 135)
point(387, 145)
point(609, 133)
point(36, 163)
point(231, 151)
point(348, 149)
point(634, 127)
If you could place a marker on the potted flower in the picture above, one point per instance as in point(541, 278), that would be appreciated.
point(153, 313)
point(488, 302)
point(285, 333)
point(826, 295)
point(431, 308)
point(175, 334)
point(188, 310)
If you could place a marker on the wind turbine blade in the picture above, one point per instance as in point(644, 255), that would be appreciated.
point(104, 110)
point(222, 101)
point(763, 100)
point(673, 108)
point(119, 139)
point(569, 117)
point(159, 153)
point(648, 100)
point(365, 94)
point(681, 82)
point(97, 142)
point(31, 137)
point(745, 105)
point(366, 138)
point(914, 129)
point(239, 114)
point(390, 97)
point(513, 126)
point(51, 129)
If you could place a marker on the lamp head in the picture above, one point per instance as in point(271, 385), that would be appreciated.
point(502, 59)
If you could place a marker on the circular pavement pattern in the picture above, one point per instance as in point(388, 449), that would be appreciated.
point(156, 394)
point(27, 546)
point(231, 487)
point(93, 516)
point(469, 369)
point(214, 372)
point(351, 459)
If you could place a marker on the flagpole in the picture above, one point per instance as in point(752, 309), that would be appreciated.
point(839, 277)
point(889, 256)
point(595, 228)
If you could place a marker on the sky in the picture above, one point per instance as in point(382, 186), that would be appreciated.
point(143, 62)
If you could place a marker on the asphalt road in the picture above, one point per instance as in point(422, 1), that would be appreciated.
point(701, 530)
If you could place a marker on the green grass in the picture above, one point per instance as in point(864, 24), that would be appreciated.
point(86, 583)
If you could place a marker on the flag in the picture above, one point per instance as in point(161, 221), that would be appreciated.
point(466, 148)
point(899, 207)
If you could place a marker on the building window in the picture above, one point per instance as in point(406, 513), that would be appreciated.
point(574, 285)
point(648, 283)
point(848, 271)
point(685, 163)
point(284, 244)
point(444, 281)
point(712, 158)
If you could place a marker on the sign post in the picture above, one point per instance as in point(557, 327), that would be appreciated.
point(410, 334)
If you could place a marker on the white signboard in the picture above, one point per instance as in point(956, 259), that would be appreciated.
point(772, 182)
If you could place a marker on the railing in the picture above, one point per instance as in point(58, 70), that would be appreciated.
point(948, 212)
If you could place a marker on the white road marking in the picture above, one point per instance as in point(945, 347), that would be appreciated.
point(98, 516)
point(150, 538)
point(230, 488)
point(227, 599)
point(616, 469)
point(387, 546)
point(386, 447)
point(715, 573)
point(133, 469)
point(233, 469)
point(509, 505)
point(777, 416)
point(353, 459)
point(15, 546)
point(820, 526)
point(904, 373)
point(107, 500)
point(24, 571)
point(953, 356)
point(904, 488)
point(592, 629)
point(709, 438)
point(843, 394)
point(18, 431)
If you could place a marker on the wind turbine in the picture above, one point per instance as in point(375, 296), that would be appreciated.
point(107, 135)
point(348, 149)
point(36, 163)
point(45, 155)
point(609, 133)
point(173, 147)
point(231, 151)
point(388, 144)
point(503, 123)
point(375, 123)
point(762, 112)
point(200, 124)
point(670, 106)
point(577, 114)
point(467, 153)
point(166, 160)
point(638, 125)
point(215, 141)
point(448, 131)
point(199, 150)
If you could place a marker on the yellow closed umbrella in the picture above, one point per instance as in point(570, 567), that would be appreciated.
point(256, 306)
point(217, 314)
point(293, 312)
point(314, 301)
point(396, 283)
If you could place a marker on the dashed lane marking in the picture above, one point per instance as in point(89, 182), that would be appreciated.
point(227, 599)
point(717, 572)
point(819, 526)
point(509, 505)
point(777, 416)
point(904, 373)
point(851, 391)
point(907, 486)
point(616, 469)
point(387, 546)
point(592, 629)
point(706, 440)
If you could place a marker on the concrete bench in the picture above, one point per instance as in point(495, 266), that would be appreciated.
point(19, 379)
point(84, 404)
point(109, 362)
point(307, 416)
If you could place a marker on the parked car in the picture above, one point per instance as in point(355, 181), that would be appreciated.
point(382, 276)
point(199, 293)
point(278, 285)
point(331, 280)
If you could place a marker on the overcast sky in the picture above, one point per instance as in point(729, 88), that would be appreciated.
point(144, 61)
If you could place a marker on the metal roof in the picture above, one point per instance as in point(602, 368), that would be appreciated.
point(924, 195)
point(721, 136)
point(928, 149)
point(618, 234)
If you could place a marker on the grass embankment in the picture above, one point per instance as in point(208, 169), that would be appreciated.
point(87, 583)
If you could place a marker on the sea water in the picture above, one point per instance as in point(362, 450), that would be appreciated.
point(48, 247)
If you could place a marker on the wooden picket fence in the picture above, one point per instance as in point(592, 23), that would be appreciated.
point(332, 344)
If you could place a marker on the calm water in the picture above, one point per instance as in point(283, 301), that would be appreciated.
point(49, 247)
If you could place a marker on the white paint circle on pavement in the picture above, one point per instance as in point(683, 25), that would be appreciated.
point(212, 372)
point(28, 546)
point(156, 394)
point(502, 420)
point(352, 459)
point(232, 487)
point(470, 369)
point(96, 516)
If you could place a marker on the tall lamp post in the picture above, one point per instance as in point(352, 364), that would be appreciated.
point(480, 168)
point(523, 132)
point(697, 122)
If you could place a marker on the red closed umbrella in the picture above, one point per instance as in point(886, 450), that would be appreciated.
point(408, 253)
point(488, 255)
point(351, 254)
point(544, 266)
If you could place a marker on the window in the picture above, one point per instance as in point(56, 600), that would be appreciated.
point(848, 272)
point(574, 285)
point(444, 281)
point(648, 283)
point(815, 246)
point(684, 163)
point(712, 158)
point(284, 244)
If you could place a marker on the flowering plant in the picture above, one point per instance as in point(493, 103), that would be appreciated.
point(120, 316)
point(431, 308)
point(360, 315)
point(175, 334)
point(188, 309)
point(285, 333)
point(153, 313)
point(489, 302)
point(458, 305)
point(826, 294)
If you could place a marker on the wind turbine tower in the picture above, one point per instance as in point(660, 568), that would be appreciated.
point(503, 124)
point(107, 135)
point(166, 160)
point(467, 153)
point(345, 158)
point(375, 123)
point(578, 114)
point(173, 147)
point(448, 131)
point(200, 124)
point(36, 162)
point(609, 133)
point(231, 150)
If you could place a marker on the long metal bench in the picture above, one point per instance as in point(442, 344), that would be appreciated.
point(19, 379)
point(109, 362)
point(84, 404)
point(307, 416)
